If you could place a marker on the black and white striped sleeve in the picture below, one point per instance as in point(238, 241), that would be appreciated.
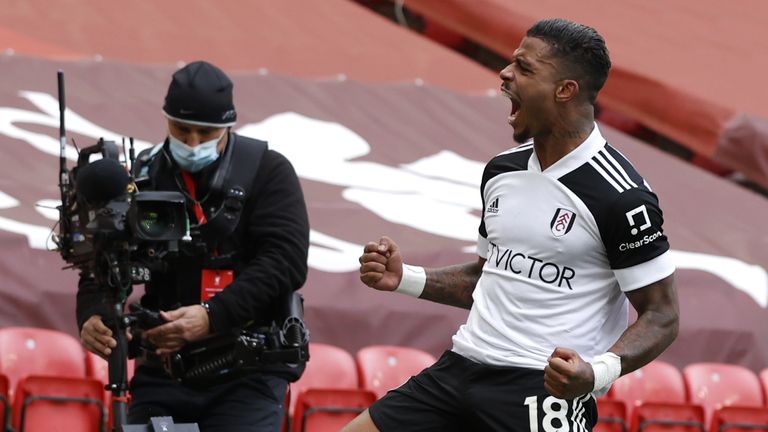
point(634, 239)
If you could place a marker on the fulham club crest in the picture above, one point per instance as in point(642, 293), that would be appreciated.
point(562, 222)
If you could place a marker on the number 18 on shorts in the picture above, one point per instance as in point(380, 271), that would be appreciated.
point(550, 414)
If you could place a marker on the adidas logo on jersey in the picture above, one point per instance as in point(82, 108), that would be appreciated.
point(493, 207)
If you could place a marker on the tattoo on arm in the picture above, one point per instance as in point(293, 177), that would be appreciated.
point(453, 285)
point(656, 326)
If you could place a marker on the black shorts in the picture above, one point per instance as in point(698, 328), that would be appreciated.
point(458, 394)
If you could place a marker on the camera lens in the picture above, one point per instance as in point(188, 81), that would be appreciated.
point(158, 215)
point(155, 220)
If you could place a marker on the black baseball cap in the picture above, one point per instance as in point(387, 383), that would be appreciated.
point(200, 94)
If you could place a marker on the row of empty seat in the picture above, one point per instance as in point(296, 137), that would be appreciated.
point(48, 382)
point(336, 386)
point(717, 397)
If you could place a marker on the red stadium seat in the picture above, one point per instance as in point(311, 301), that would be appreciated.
point(715, 385)
point(611, 416)
point(657, 381)
point(740, 419)
point(667, 417)
point(48, 403)
point(4, 403)
point(764, 381)
point(381, 368)
point(328, 410)
point(329, 367)
point(98, 368)
point(34, 351)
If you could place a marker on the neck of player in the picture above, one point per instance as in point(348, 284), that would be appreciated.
point(569, 129)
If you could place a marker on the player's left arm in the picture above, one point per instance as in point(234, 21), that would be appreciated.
point(567, 375)
point(656, 326)
point(638, 252)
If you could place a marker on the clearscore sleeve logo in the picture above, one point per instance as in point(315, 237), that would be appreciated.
point(642, 211)
point(638, 222)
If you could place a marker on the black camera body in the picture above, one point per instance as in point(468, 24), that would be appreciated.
point(110, 229)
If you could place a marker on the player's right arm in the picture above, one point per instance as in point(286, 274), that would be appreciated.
point(381, 268)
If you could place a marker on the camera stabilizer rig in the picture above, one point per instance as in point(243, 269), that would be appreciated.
point(113, 234)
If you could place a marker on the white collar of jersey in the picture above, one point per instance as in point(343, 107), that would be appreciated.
point(576, 158)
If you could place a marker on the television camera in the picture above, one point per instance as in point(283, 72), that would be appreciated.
point(111, 230)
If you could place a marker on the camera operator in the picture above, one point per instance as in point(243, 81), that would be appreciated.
point(226, 277)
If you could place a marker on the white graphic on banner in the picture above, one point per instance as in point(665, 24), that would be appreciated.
point(749, 278)
point(436, 194)
point(411, 195)
point(49, 143)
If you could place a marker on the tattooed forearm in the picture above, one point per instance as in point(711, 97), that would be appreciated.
point(453, 285)
point(656, 326)
point(648, 337)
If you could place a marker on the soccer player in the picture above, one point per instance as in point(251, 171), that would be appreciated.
point(569, 235)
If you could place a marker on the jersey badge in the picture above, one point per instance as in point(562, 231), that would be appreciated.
point(562, 222)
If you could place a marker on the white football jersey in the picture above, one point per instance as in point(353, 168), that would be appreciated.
point(562, 246)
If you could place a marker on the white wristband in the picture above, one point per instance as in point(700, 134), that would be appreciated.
point(413, 281)
point(607, 368)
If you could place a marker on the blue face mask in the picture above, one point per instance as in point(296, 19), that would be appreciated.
point(193, 159)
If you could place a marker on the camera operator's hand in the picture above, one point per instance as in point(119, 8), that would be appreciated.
point(381, 265)
point(185, 324)
point(97, 337)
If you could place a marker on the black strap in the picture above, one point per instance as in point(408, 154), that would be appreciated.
point(232, 182)
point(143, 162)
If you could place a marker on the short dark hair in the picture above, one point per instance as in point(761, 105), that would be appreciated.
point(580, 48)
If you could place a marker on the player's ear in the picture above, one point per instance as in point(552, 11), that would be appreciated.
point(566, 90)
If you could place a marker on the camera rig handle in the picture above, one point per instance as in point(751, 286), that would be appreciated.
point(236, 351)
point(108, 150)
point(241, 350)
point(142, 318)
